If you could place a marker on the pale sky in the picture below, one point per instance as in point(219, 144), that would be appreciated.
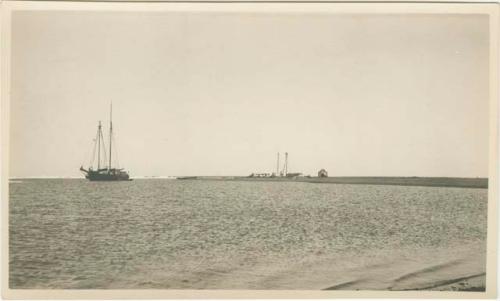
point(222, 93)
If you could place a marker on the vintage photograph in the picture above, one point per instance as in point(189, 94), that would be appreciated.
point(205, 146)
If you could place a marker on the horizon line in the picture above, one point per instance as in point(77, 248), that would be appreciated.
point(229, 176)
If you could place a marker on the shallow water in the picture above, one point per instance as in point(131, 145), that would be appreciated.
point(242, 235)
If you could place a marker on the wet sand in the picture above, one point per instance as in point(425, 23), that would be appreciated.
point(475, 283)
point(443, 270)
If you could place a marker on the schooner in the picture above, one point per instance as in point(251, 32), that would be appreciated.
point(103, 172)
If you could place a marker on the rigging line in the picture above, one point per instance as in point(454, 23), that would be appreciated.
point(113, 151)
point(104, 149)
point(110, 134)
point(285, 165)
point(117, 163)
point(93, 153)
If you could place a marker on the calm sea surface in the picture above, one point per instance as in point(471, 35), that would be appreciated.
point(242, 235)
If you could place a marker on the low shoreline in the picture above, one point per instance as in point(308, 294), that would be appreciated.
point(480, 183)
point(400, 181)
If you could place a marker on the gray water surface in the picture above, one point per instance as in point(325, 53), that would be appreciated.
point(241, 235)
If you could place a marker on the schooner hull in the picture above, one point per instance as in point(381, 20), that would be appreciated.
point(107, 176)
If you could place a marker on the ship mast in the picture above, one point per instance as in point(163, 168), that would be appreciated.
point(278, 166)
point(99, 146)
point(286, 164)
point(110, 133)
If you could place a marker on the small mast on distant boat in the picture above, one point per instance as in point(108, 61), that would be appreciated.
point(108, 173)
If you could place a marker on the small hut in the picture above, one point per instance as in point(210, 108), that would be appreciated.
point(322, 173)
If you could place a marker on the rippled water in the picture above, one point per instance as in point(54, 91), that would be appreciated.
point(242, 235)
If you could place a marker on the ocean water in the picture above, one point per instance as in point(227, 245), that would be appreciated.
point(171, 234)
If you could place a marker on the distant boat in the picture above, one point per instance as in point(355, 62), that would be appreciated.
point(103, 172)
point(187, 178)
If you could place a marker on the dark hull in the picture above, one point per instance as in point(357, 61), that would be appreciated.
point(107, 176)
point(187, 178)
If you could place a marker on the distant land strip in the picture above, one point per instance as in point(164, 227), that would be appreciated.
point(402, 181)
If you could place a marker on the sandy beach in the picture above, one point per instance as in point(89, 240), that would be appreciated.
point(476, 283)
point(434, 270)
point(472, 284)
